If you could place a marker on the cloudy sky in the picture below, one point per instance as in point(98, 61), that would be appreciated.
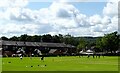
point(88, 18)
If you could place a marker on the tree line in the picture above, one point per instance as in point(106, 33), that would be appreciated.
point(109, 42)
point(67, 39)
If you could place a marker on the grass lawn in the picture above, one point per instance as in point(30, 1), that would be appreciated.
point(71, 63)
point(0, 64)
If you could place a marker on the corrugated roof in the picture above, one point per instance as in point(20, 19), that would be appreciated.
point(52, 44)
point(20, 43)
point(42, 44)
point(9, 43)
point(0, 43)
point(30, 44)
point(70, 46)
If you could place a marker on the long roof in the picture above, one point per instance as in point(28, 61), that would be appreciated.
point(35, 44)
point(0, 43)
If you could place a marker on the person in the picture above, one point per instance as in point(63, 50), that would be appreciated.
point(21, 57)
point(93, 55)
point(96, 55)
point(32, 55)
point(99, 55)
point(42, 59)
point(88, 55)
point(81, 53)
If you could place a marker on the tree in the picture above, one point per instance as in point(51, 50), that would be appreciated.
point(29, 38)
point(56, 39)
point(4, 38)
point(47, 38)
point(61, 38)
point(82, 44)
point(14, 38)
point(23, 37)
point(36, 38)
point(110, 42)
point(99, 44)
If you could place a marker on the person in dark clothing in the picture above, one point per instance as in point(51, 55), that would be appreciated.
point(42, 59)
point(88, 55)
point(99, 55)
point(93, 55)
point(21, 57)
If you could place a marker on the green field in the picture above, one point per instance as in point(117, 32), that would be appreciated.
point(71, 63)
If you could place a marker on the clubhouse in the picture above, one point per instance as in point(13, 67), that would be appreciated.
point(11, 47)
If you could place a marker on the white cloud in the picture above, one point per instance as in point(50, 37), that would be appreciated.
point(95, 19)
point(13, 3)
point(111, 9)
point(11, 7)
point(82, 20)
point(113, 1)
point(13, 28)
point(106, 20)
point(60, 18)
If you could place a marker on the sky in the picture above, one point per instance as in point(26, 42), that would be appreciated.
point(78, 18)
